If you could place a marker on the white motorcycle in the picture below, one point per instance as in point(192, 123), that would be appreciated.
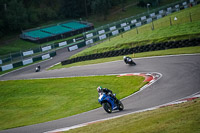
point(37, 69)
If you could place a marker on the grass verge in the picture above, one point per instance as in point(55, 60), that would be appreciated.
point(181, 118)
point(186, 50)
point(26, 102)
point(182, 28)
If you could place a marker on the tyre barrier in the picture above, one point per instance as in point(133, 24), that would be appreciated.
point(137, 49)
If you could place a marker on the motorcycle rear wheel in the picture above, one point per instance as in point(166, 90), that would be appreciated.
point(107, 107)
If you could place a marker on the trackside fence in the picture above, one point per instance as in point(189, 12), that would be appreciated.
point(134, 22)
point(103, 32)
point(27, 61)
point(19, 56)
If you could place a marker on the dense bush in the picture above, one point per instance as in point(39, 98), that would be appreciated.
point(141, 3)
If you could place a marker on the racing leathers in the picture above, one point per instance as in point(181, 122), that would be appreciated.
point(108, 92)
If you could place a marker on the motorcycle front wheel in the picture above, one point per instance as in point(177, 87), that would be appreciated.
point(121, 106)
point(107, 107)
point(133, 63)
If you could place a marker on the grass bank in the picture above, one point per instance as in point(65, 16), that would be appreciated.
point(26, 102)
point(186, 50)
point(182, 28)
point(181, 118)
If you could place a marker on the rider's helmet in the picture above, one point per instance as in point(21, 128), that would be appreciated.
point(124, 57)
point(99, 89)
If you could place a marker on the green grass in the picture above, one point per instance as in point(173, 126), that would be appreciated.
point(186, 50)
point(26, 102)
point(16, 45)
point(180, 29)
point(182, 118)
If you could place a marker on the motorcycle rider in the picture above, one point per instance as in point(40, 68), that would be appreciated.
point(37, 68)
point(127, 59)
point(107, 92)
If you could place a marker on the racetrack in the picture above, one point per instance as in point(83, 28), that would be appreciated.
point(180, 78)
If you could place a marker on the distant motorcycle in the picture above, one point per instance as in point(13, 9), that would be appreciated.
point(37, 69)
point(129, 60)
point(109, 104)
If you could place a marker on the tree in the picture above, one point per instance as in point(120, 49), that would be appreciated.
point(73, 8)
point(101, 7)
point(33, 16)
point(1, 27)
point(15, 16)
point(86, 12)
point(3, 8)
point(122, 2)
point(23, 14)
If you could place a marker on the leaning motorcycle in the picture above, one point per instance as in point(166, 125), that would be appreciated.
point(130, 61)
point(37, 69)
point(109, 104)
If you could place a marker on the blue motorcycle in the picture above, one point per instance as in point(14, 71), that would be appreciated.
point(109, 103)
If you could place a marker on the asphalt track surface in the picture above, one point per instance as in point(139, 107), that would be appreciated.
point(180, 78)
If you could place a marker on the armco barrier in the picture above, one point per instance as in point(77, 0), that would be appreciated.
point(117, 27)
point(137, 49)
point(27, 61)
point(18, 56)
point(37, 58)
point(18, 64)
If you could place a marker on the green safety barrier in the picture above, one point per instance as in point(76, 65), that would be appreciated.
point(52, 54)
point(18, 64)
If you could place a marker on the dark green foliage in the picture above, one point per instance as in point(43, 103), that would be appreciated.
point(72, 8)
point(18, 15)
point(101, 7)
point(143, 3)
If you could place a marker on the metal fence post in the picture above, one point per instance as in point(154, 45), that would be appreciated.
point(21, 54)
point(152, 25)
point(170, 21)
point(11, 58)
point(190, 17)
point(137, 30)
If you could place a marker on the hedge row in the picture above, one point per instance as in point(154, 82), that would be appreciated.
point(138, 49)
